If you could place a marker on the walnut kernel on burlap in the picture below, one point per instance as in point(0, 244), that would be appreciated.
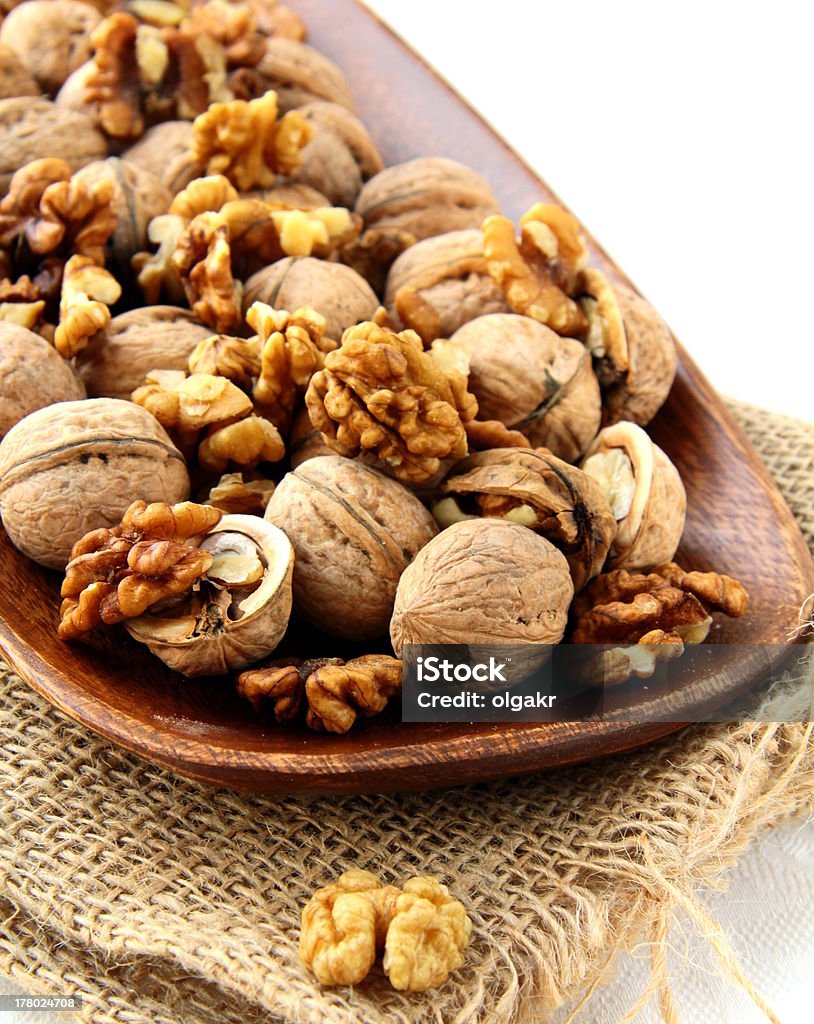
point(164, 902)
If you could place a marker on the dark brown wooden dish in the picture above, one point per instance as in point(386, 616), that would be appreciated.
point(737, 523)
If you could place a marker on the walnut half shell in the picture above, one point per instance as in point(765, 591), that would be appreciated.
point(241, 609)
point(645, 493)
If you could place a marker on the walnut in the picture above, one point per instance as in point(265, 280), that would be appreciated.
point(234, 494)
point(22, 313)
point(74, 467)
point(305, 441)
point(237, 359)
point(247, 144)
point(203, 260)
point(540, 273)
point(240, 611)
point(141, 74)
point(661, 610)
point(87, 293)
point(334, 691)
point(633, 349)
point(15, 79)
point(184, 406)
point(298, 73)
point(51, 38)
point(166, 151)
point(354, 532)
point(441, 283)
point(380, 392)
point(645, 493)
point(421, 929)
point(245, 444)
point(333, 290)
point(32, 376)
point(48, 216)
point(117, 573)
point(420, 199)
point(294, 194)
point(137, 197)
point(118, 358)
point(31, 128)
point(278, 20)
point(340, 156)
point(293, 349)
point(156, 273)
point(440, 599)
point(538, 490)
point(533, 381)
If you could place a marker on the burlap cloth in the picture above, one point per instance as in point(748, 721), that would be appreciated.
point(161, 901)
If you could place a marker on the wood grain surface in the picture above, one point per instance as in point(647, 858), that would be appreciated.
point(737, 523)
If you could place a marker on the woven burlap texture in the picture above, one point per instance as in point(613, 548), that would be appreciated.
point(161, 901)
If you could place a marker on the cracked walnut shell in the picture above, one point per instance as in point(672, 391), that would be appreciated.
point(336, 692)
point(74, 467)
point(537, 490)
point(633, 350)
point(239, 612)
point(354, 531)
point(534, 381)
point(381, 393)
point(421, 930)
point(484, 581)
point(645, 493)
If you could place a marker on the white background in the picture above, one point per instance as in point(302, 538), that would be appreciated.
point(681, 135)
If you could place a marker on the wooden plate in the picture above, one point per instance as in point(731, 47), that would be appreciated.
point(737, 523)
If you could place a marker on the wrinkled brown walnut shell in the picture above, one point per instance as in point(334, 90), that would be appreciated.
point(354, 532)
point(76, 466)
point(15, 79)
point(299, 74)
point(534, 381)
point(118, 359)
point(166, 151)
point(51, 37)
point(332, 289)
point(448, 274)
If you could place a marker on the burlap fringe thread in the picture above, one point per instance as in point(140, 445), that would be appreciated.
point(162, 902)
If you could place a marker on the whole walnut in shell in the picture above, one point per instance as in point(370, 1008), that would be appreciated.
point(354, 532)
point(633, 349)
point(537, 490)
point(76, 466)
point(138, 196)
point(341, 295)
point(531, 379)
point(645, 493)
point(441, 283)
point(32, 376)
point(239, 612)
point(340, 156)
point(33, 128)
point(299, 74)
point(15, 79)
point(118, 358)
point(483, 581)
point(419, 199)
point(166, 151)
point(51, 37)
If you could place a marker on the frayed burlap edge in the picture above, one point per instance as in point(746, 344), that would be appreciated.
point(159, 900)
